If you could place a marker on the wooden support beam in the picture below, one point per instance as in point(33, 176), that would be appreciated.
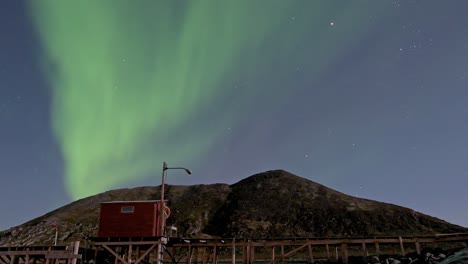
point(364, 251)
point(377, 248)
point(117, 257)
point(402, 246)
point(26, 258)
point(282, 254)
point(311, 255)
point(189, 254)
point(418, 248)
point(272, 255)
point(252, 254)
point(130, 253)
point(295, 250)
point(344, 252)
point(215, 255)
point(244, 255)
point(203, 255)
point(233, 257)
point(5, 258)
point(328, 251)
point(146, 253)
point(248, 253)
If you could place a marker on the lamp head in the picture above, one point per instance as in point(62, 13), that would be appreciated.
point(188, 171)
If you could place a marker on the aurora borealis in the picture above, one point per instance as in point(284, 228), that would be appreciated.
point(126, 77)
point(365, 97)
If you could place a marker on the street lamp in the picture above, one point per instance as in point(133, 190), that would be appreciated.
point(161, 208)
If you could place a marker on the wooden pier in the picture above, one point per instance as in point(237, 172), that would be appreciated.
point(281, 250)
point(40, 254)
point(245, 251)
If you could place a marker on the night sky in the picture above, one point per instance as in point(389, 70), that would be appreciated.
point(366, 97)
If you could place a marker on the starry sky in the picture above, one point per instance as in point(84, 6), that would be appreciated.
point(366, 97)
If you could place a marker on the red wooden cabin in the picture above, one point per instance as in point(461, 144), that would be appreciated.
point(130, 219)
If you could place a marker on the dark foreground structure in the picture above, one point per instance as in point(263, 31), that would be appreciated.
point(202, 251)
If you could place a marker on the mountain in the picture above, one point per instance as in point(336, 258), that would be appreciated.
point(270, 204)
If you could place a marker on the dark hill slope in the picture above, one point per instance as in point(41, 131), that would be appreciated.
point(280, 204)
point(269, 204)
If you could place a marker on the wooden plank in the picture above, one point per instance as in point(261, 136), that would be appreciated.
point(135, 243)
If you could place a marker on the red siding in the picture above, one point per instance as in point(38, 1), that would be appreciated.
point(142, 222)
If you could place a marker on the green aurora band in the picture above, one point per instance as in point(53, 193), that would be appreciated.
point(131, 79)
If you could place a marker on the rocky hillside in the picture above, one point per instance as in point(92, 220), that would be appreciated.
point(269, 204)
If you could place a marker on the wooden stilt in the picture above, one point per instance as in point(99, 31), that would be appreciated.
point(233, 260)
point(76, 250)
point(311, 256)
point(137, 254)
point(244, 255)
point(215, 255)
point(26, 259)
point(252, 254)
point(344, 252)
point(189, 255)
point(328, 251)
point(273, 255)
point(248, 253)
point(203, 255)
point(377, 249)
point(130, 253)
point(282, 254)
point(401, 246)
point(364, 251)
point(418, 248)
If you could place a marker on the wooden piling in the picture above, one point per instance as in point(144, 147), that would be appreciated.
point(233, 251)
point(344, 252)
point(418, 248)
point(328, 251)
point(401, 246)
point(311, 256)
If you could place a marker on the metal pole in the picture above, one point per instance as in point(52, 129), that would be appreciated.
point(161, 209)
point(161, 215)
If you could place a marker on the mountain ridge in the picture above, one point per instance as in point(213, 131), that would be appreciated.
point(269, 204)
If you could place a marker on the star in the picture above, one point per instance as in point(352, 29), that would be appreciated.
point(332, 23)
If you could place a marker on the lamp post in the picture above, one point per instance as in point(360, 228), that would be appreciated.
point(161, 208)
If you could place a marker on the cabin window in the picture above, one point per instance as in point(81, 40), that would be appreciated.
point(127, 209)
